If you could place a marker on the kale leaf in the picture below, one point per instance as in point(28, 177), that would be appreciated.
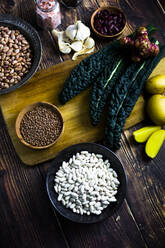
point(117, 98)
point(125, 96)
point(132, 96)
point(103, 86)
point(86, 72)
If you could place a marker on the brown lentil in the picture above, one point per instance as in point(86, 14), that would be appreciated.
point(41, 126)
point(15, 57)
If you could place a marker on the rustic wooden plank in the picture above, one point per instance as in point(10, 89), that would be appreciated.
point(117, 231)
point(146, 187)
point(25, 210)
point(7, 6)
point(46, 86)
point(161, 4)
point(138, 16)
point(83, 239)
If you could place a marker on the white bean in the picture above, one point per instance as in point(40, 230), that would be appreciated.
point(59, 197)
point(86, 184)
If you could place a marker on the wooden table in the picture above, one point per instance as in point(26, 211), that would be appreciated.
point(27, 218)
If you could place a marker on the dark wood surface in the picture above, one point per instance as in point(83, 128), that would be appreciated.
point(27, 218)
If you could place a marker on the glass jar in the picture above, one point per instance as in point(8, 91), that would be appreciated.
point(48, 13)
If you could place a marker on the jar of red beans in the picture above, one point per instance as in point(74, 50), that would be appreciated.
point(48, 13)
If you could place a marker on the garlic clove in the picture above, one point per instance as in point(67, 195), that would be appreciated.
point(71, 31)
point(65, 38)
point(62, 41)
point(89, 43)
point(83, 51)
point(83, 31)
point(57, 34)
point(76, 46)
point(64, 48)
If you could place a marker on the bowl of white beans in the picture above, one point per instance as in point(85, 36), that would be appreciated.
point(86, 183)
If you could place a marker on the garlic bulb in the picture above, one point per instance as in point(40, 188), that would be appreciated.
point(76, 45)
point(77, 38)
point(82, 31)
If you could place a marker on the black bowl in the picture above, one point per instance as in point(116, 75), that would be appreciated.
point(35, 44)
point(115, 164)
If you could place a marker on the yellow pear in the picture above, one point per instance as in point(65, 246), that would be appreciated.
point(156, 84)
point(156, 109)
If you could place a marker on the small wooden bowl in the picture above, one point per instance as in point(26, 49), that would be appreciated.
point(29, 108)
point(112, 10)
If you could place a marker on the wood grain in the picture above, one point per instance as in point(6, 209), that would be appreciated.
point(161, 4)
point(26, 216)
point(7, 6)
point(46, 86)
point(23, 198)
point(136, 17)
point(108, 233)
point(148, 188)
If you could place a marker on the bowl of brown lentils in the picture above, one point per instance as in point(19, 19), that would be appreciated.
point(20, 52)
point(39, 125)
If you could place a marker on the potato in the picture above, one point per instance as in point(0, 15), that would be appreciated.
point(154, 143)
point(156, 109)
point(142, 134)
point(156, 84)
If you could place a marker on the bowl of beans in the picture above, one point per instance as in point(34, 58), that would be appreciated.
point(39, 125)
point(20, 52)
point(108, 22)
point(86, 183)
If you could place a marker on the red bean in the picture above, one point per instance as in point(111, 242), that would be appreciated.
point(107, 23)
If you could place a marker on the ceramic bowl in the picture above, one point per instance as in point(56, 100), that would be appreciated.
point(65, 155)
point(111, 10)
point(29, 108)
point(35, 44)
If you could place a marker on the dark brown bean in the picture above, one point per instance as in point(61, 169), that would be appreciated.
point(40, 126)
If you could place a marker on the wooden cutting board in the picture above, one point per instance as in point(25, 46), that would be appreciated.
point(45, 86)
